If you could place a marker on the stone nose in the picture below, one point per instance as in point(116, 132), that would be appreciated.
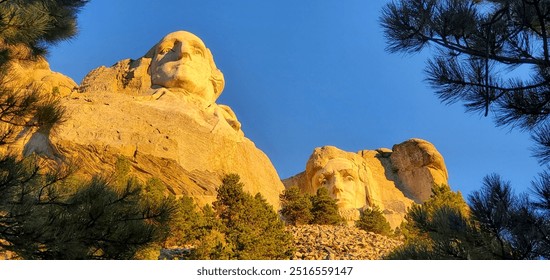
point(337, 185)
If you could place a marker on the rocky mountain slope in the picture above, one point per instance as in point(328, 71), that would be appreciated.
point(323, 242)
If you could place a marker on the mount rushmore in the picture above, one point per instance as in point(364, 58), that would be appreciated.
point(159, 113)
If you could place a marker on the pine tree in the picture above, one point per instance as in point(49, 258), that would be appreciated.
point(514, 226)
point(184, 227)
point(478, 45)
point(72, 220)
point(324, 209)
point(438, 229)
point(373, 220)
point(295, 206)
point(497, 225)
point(212, 242)
point(26, 29)
point(249, 225)
point(35, 25)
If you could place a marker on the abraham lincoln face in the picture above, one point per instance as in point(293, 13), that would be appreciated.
point(341, 177)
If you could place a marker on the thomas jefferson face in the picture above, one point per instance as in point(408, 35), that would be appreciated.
point(182, 61)
point(340, 177)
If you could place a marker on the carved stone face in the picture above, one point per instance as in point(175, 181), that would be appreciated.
point(340, 176)
point(182, 61)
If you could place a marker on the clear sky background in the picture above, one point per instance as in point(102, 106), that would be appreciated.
point(304, 74)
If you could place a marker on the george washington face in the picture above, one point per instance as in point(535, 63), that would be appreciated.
point(182, 61)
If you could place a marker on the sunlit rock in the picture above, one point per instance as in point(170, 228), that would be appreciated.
point(159, 113)
point(390, 179)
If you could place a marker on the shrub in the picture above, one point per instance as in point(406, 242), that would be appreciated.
point(373, 220)
point(324, 209)
point(440, 228)
point(295, 206)
point(244, 227)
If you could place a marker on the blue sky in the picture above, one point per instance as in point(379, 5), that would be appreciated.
point(303, 74)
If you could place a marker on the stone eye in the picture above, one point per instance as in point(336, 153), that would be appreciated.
point(199, 52)
point(349, 178)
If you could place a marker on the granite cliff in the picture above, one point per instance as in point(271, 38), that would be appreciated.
point(158, 113)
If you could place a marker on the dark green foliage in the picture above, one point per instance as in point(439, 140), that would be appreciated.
point(443, 196)
point(500, 225)
point(211, 243)
point(324, 209)
point(373, 220)
point(298, 208)
point(295, 206)
point(94, 221)
point(445, 234)
point(439, 229)
point(36, 24)
point(24, 26)
point(516, 228)
point(43, 214)
point(184, 227)
point(419, 216)
point(21, 189)
point(478, 45)
point(248, 227)
point(27, 28)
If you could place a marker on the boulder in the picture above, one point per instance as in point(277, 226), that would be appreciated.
point(419, 166)
point(28, 73)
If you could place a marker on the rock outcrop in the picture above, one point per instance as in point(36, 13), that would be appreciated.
point(390, 179)
point(418, 165)
point(29, 73)
point(159, 114)
point(188, 151)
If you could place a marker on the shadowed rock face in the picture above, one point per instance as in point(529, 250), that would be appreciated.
point(390, 179)
point(160, 113)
